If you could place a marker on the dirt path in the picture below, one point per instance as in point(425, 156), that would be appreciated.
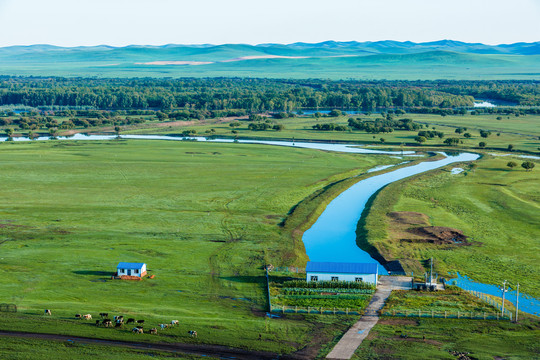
point(216, 351)
point(352, 339)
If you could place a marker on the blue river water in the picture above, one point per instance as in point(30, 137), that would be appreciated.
point(527, 303)
point(333, 236)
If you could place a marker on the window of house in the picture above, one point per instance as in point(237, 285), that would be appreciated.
point(335, 278)
point(314, 278)
point(358, 279)
point(136, 271)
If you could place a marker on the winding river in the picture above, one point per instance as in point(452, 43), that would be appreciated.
point(333, 236)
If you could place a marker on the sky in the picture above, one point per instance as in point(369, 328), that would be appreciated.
point(159, 22)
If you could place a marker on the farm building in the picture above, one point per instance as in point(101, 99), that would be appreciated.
point(333, 271)
point(131, 269)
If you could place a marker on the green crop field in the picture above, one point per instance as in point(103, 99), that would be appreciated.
point(494, 206)
point(204, 217)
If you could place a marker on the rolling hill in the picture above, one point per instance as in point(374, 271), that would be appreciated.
point(336, 60)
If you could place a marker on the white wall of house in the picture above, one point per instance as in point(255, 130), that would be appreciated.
point(134, 272)
point(369, 278)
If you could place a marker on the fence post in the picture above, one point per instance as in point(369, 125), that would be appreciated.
point(394, 312)
point(283, 309)
point(432, 314)
point(347, 311)
point(308, 310)
point(458, 314)
point(406, 313)
point(445, 314)
point(484, 315)
point(321, 310)
point(497, 315)
point(472, 315)
point(296, 309)
point(334, 311)
point(419, 313)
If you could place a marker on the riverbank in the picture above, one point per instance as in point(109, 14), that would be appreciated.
point(493, 206)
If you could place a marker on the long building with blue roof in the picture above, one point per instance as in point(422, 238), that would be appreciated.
point(336, 271)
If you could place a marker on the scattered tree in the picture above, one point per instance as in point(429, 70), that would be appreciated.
point(482, 144)
point(511, 164)
point(527, 165)
point(510, 147)
point(420, 139)
point(452, 141)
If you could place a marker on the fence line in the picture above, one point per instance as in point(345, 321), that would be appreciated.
point(488, 300)
point(448, 314)
point(315, 310)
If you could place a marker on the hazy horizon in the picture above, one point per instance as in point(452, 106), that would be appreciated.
point(121, 23)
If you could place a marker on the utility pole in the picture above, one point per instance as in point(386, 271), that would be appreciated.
point(503, 291)
point(431, 272)
point(517, 302)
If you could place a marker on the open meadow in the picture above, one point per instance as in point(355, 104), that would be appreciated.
point(205, 218)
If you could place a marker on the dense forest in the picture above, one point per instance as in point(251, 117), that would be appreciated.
point(217, 96)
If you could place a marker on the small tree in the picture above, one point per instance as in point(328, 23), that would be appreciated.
point(482, 144)
point(527, 165)
point(485, 133)
point(382, 140)
point(511, 164)
point(117, 130)
point(510, 147)
point(420, 139)
point(452, 141)
point(467, 135)
point(9, 132)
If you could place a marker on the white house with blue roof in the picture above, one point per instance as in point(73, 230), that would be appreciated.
point(131, 269)
point(333, 271)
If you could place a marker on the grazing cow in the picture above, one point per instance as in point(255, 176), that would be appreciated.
point(164, 326)
point(98, 322)
point(87, 317)
point(130, 320)
point(119, 324)
point(78, 316)
point(107, 322)
point(153, 331)
point(174, 322)
point(137, 330)
point(140, 321)
point(47, 312)
point(104, 315)
point(192, 333)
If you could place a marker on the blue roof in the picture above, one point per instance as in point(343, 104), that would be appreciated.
point(126, 265)
point(342, 268)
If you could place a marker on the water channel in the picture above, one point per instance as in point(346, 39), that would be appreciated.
point(333, 236)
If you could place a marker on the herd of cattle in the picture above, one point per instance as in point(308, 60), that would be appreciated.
point(118, 322)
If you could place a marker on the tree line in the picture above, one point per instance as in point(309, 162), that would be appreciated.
point(199, 97)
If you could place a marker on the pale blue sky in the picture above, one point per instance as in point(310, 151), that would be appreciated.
point(157, 22)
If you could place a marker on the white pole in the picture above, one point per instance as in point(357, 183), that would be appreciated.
point(503, 291)
point(517, 302)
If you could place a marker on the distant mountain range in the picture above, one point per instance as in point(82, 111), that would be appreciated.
point(329, 59)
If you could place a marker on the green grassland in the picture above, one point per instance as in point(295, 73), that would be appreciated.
point(497, 208)
point(204, 217)
point(483, 340)
point(30, 349)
